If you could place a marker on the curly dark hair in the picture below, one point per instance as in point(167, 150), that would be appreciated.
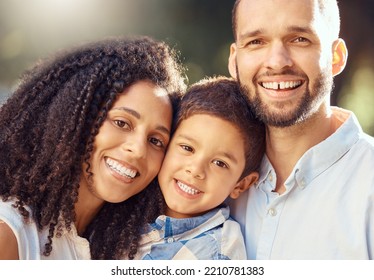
point(47, 130)
point(221, 97)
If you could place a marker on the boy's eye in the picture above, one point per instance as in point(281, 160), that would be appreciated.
point(122, 124)
point(220, 163)
point(157, 142)
point(187, 148)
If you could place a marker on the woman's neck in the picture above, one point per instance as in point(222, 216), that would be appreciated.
point(86, 208)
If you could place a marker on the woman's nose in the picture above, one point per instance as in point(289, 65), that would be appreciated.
point(136, 144)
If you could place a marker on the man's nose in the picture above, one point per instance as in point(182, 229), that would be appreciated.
point(278, 56)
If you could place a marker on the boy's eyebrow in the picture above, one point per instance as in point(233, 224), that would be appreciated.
point(225, 154)
point(186, 137)
point(230, 156)
point(135, 114)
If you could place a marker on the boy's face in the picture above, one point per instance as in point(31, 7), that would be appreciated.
point(202, 166)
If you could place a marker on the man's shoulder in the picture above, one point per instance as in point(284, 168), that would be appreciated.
point(367, 139)
point(365, 145)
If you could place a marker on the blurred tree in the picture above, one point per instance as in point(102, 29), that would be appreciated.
point(354, 86)
point(199, 29)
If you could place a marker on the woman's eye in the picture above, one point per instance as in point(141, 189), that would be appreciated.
point(121, 124)
point(187, 148)
point(157, 142)
point(220, 163)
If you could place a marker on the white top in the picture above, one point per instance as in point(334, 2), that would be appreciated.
point(327, 210)
point(31, 242)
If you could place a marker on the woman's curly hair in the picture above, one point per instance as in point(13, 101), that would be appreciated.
point(47, 130)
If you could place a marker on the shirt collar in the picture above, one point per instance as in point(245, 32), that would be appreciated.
point(321, 156)
point(172, 226)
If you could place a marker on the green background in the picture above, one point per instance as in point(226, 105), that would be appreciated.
point(199, 29)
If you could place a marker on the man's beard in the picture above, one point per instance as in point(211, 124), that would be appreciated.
point(306, 107)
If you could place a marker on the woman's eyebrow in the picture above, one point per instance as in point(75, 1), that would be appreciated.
point(134, 113)
point(128, 110)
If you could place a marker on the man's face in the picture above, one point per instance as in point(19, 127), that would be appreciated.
point(282, 58)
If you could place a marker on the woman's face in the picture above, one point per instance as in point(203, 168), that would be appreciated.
point(130, 145)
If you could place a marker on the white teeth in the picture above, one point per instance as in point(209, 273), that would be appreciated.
point(120, 169)
point(187, 189)
point(281, 85)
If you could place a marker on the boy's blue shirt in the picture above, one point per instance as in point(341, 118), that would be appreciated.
point(211, 236)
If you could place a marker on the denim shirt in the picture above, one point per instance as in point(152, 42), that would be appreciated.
point(212, 236)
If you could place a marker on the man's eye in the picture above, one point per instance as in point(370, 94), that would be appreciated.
point(220, 163)
point(255, 42)
point(301, 40)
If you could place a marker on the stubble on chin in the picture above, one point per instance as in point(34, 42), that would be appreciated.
point(277, 114)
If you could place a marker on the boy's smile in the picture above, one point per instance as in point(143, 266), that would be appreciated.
point(187, 189)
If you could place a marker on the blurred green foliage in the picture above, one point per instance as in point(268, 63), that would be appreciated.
point(199, 29)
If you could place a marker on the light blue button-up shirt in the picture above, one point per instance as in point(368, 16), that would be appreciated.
point(327, 210)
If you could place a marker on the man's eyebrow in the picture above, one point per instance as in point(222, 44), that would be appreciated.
point(250, 34)
point(134, 113)
point(300, 29)
point(293, 28)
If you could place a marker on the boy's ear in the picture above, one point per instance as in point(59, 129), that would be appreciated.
point(244, 184)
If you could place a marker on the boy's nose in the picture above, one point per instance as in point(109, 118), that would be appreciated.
point(196, 169)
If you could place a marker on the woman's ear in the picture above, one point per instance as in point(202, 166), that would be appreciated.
point(244, 184)
point(339, 56)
